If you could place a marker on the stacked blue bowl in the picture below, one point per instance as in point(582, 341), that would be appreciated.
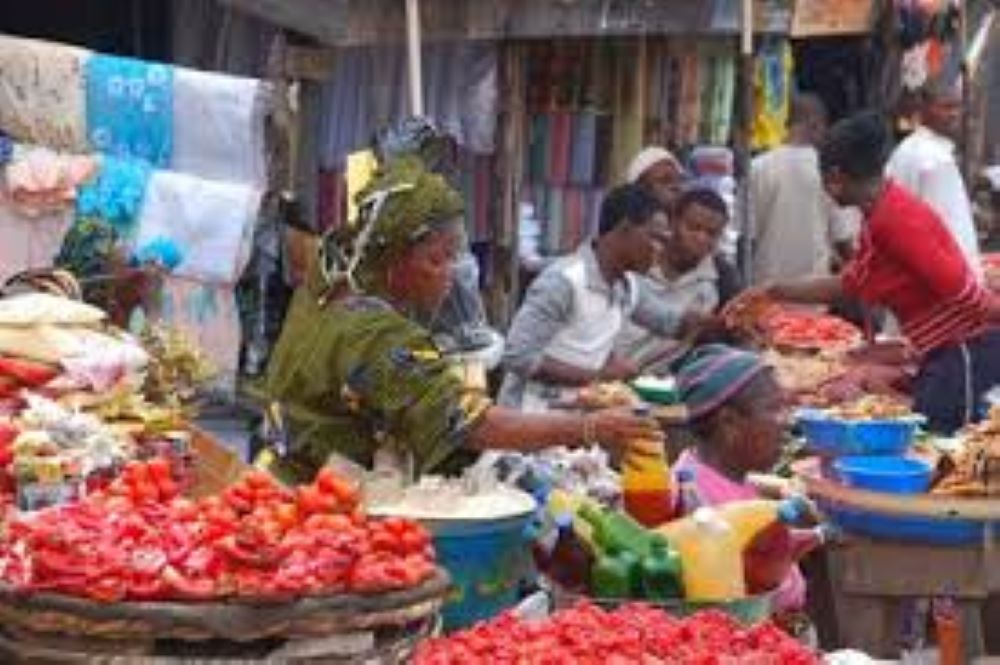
point(829, 436)
point(892, 474)
point(872, 455)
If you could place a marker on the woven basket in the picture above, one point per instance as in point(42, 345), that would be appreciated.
point(384, 646)
point(238, 621)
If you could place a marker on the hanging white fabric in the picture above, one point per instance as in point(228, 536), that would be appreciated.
point(219, 126)
point(210, 222)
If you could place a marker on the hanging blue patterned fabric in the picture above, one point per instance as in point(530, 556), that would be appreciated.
point(116, 193)
point(6, 149)
point(130, 108)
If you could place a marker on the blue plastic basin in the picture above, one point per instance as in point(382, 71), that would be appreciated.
point(915, 529)
point(896, 475)
point(833, 437)
point(487, 560)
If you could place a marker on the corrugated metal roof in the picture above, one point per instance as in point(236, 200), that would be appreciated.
point(354, 22)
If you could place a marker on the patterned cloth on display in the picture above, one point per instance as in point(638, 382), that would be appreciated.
point(116, 193)
point(30, 242)
point(130, 108)
point(219, 126)
point(772, 88)
point(209, 221)
point(42, 97)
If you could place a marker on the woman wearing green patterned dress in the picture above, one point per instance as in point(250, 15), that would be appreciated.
point(355, 370)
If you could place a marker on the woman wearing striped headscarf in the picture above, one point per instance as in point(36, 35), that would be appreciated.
point(735, 408)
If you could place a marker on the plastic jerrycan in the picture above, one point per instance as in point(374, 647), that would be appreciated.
point(749, 518)
point(711, 556)
point(772, 553)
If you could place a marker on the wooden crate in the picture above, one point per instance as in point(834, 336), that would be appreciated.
point(216, 466)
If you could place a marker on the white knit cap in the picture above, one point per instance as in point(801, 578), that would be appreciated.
point(646, 159)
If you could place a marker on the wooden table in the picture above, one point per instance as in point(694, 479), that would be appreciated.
point(862, 588)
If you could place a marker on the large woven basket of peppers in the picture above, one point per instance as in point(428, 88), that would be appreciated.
point(137, 562)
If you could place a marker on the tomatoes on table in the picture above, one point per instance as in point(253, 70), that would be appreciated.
point(630, 634)
point(804, 329)
point(138, 540)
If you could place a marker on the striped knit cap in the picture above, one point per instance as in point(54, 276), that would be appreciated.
point(713, 375)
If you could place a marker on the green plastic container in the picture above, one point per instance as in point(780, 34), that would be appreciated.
point(656, 391)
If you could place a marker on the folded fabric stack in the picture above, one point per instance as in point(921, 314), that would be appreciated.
point(59, 346)
point(78, 397)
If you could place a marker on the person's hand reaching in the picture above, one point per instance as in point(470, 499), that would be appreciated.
point(618, 368)
point(624, 433)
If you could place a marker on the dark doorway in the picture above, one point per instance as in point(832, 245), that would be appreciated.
point(139, 28)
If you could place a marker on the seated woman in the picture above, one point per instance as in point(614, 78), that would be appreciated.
point(735, 408)
point(355, 371)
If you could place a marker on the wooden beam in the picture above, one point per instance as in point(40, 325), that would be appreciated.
point(357, 22)
point(325, 20)
point(309, 63)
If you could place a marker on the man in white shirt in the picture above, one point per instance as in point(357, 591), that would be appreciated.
point(925, 164)
point(563, 336)
point(799, 229)
point(689, 276)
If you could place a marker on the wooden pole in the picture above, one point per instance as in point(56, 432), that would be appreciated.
point(512, 139)
point(967, 92)
point(413, 57)
point(742, 143)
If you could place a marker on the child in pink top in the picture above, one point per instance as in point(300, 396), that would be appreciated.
point(735, 407)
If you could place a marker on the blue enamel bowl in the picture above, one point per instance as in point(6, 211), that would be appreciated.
point(895, 475)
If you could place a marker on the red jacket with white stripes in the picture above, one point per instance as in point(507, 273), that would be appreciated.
point(909, 263)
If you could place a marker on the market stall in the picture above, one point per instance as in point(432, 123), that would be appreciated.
point(917, 510)
point(128, 530)
point(922, 528)
point(111, 164)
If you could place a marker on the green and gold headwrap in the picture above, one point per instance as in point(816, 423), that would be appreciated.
point(397, 209)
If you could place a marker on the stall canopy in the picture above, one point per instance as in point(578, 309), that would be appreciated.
point(357, 22)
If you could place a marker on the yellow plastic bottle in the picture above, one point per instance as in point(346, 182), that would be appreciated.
point(561, 502)
point(749, 518)
point(711, 556)
point(647, 491)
